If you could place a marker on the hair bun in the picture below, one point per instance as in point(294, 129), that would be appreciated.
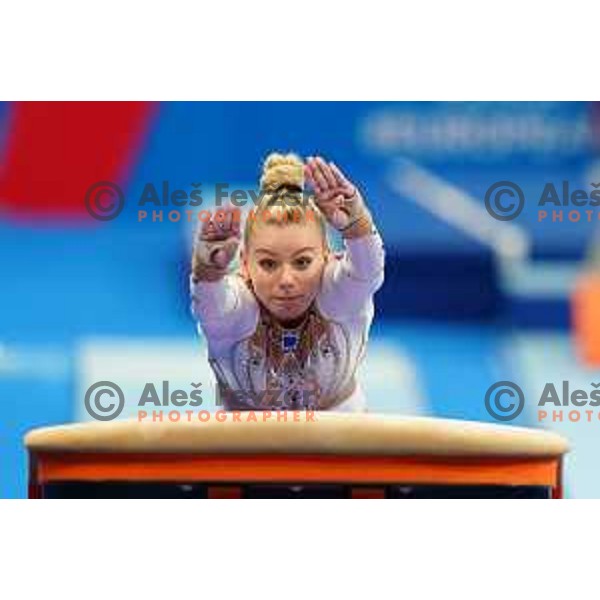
point(281, 170)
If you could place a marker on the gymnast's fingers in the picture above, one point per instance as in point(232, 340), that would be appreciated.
point(326, 172)
point(311, 180)
point(212, 230)
point(318, 178)
point(341, 180)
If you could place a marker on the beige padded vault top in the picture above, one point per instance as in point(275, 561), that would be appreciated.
point(332, 433)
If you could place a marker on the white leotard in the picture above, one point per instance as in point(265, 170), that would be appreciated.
point(242, 350)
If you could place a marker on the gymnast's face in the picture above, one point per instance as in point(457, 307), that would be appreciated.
point(285, 264)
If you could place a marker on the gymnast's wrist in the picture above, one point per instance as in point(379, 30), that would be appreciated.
point(361, 226)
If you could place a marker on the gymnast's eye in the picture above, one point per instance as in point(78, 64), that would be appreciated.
point(303, 262)
point(267, 264)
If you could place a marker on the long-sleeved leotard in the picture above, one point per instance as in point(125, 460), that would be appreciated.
point(259, 365)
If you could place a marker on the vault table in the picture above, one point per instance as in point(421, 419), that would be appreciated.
point(334, 455)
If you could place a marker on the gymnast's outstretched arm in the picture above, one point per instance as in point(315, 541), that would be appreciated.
point(351, 279)
point(220, 299)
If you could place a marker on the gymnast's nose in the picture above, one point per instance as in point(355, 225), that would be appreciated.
point(287, 281)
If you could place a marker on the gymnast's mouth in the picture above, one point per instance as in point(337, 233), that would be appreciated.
point(287, 299)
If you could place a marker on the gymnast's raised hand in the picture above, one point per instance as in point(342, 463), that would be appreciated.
point(216, 244)
point(337, 198)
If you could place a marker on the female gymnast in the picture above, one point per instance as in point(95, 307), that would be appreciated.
point(288, 328)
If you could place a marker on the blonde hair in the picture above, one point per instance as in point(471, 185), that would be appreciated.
point(282, 196)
